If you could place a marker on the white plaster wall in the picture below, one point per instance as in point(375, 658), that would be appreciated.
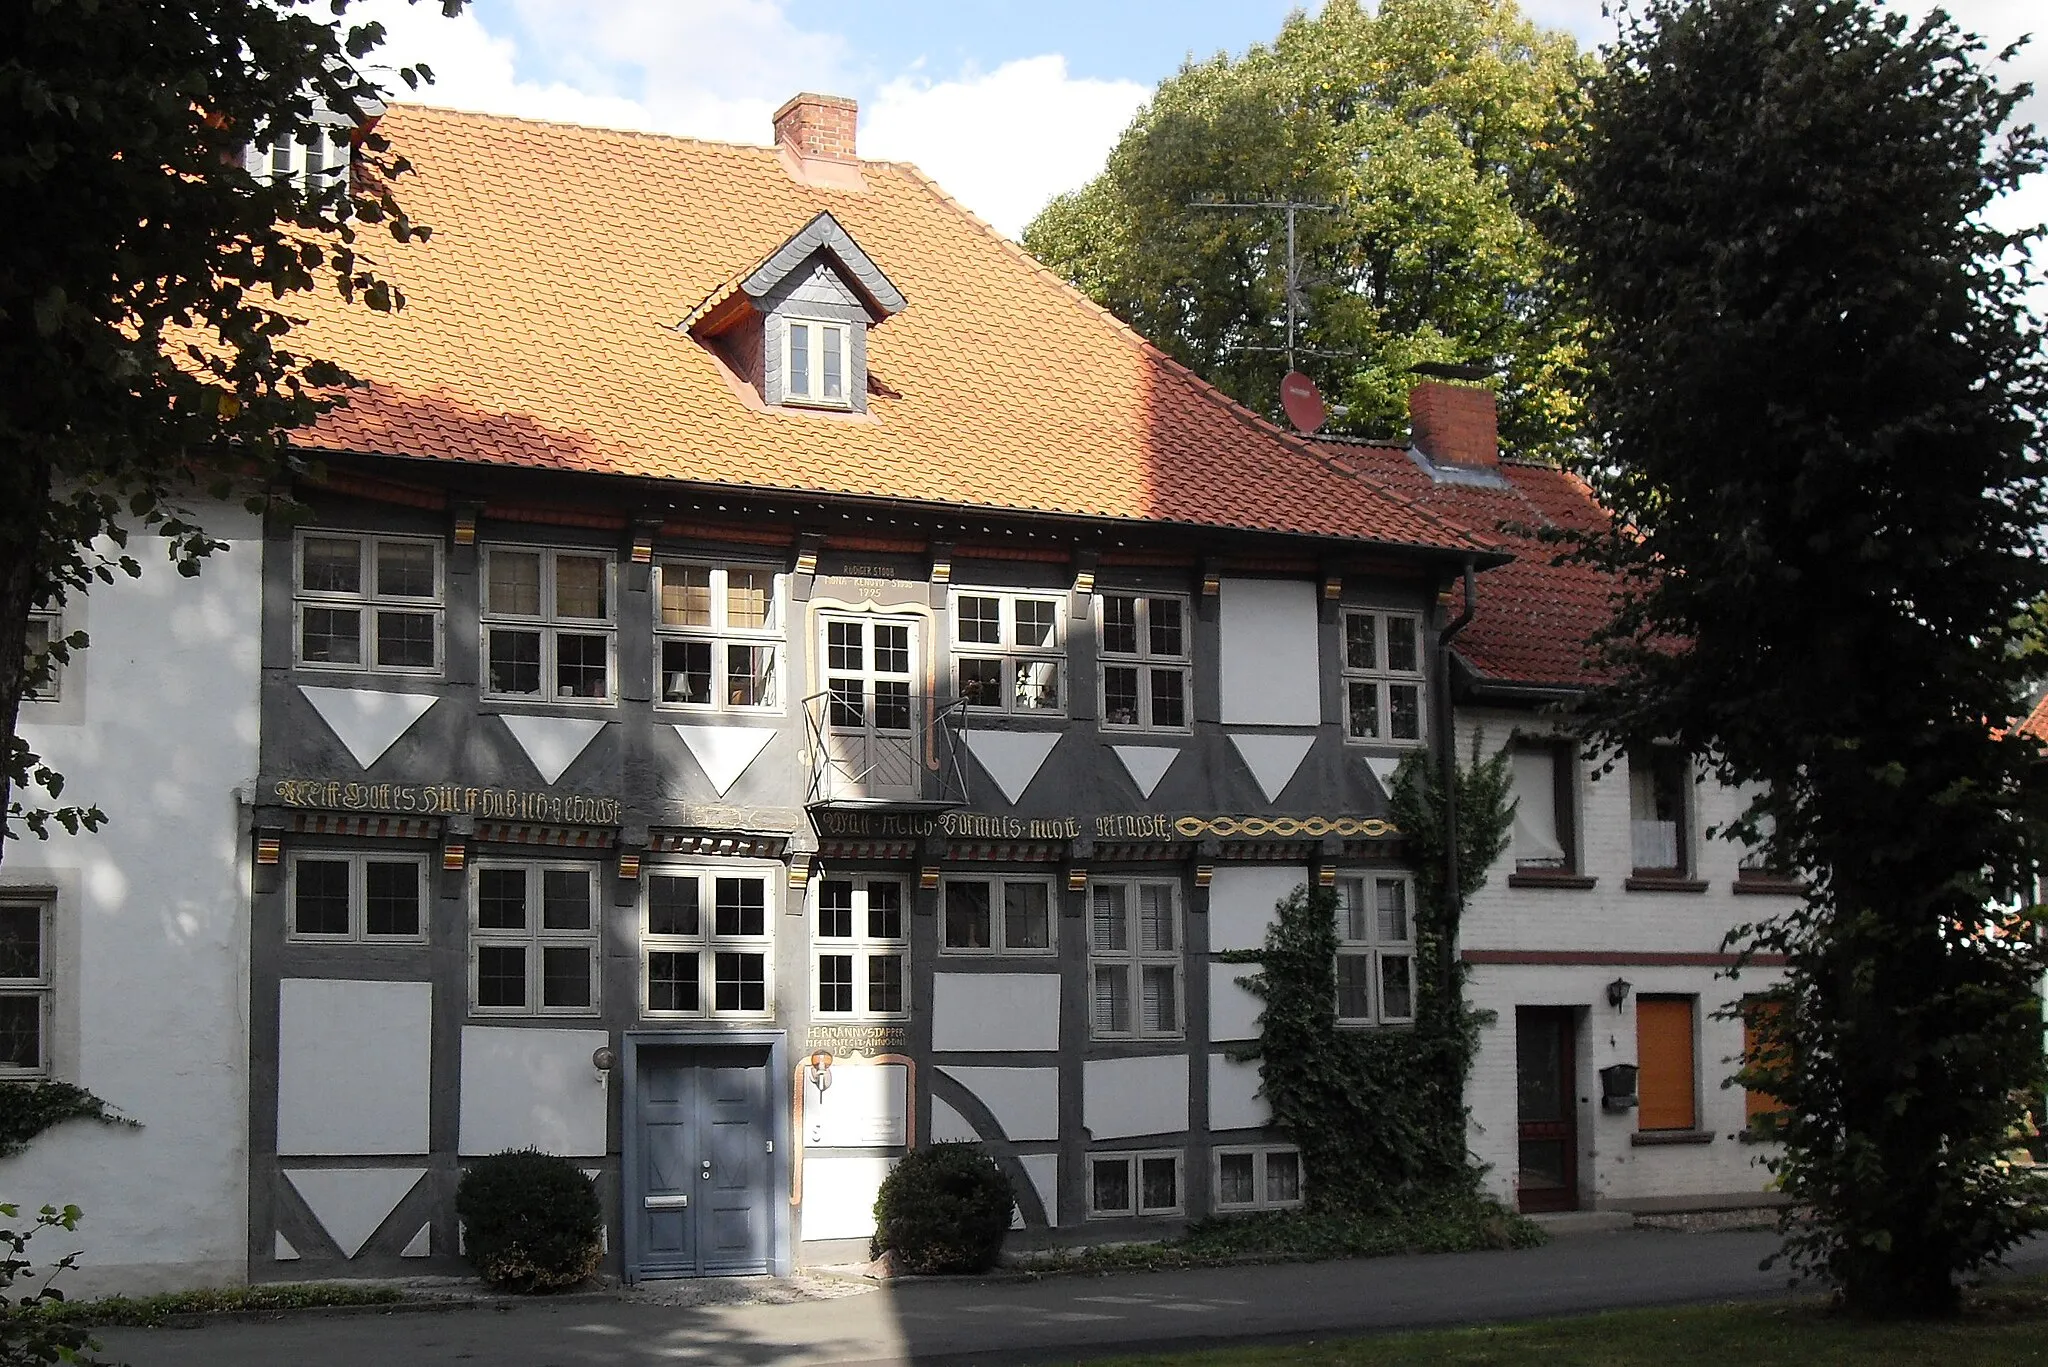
point(1127, 1096)
point(949, 1126)
point(1612, 1170)
point(526, 1088)
point(1044, 1171)
point(866, 1107)
point(1272, 667)
point(993, 1012)
point(839, 1195)
point(158, 727)
point(1024, 1101)
point(1234, 1100)
point(1241, 901)
point(1233, 1010)
point(353, 1066)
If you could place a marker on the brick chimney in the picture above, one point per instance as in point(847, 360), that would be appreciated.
point(818, 127)
point(1454, 424)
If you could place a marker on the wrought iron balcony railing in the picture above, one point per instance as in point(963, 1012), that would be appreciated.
point(875, 746)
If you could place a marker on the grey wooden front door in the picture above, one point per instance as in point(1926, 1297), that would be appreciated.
point(705, 1184)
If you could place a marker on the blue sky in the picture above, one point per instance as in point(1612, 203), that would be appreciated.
point(1004, 102)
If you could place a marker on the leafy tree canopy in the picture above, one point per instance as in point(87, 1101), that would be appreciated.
point(1428, 124)
point(1818, 398)
point(145, 330)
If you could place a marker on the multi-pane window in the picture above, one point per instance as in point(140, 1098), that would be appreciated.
point(533, 939)
point(996, 916)
point(1146, 652)
point(24, 986)
point(1008, 651)
point(1263, 1178)
point(1382, 676)
point(816, 358)
point(367, 602)
point(1134, 958)
point(314, 158)
point(548, 618)
point(1657, 782)
point(862, 947)
point(718, 639)
point(43, 628)
point(1134, 1184)
point(351, 897)
point(1375, 950)
point(705, 943)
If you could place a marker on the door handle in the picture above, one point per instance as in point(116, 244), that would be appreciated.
point(667, 1202)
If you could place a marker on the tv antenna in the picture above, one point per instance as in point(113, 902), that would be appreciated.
point(1291, 208)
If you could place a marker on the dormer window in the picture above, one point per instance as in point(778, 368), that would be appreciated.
point(814, 362)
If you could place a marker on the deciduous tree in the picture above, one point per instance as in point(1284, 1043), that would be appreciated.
point(1818, 399)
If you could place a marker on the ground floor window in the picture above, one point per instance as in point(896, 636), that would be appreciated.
point(1260, 1178)
point(1134, 1184)
point(533, 931)
point(862, 947)
point(1666, 1060)
point(705, 943)
point(24, 986)
point(337, 897)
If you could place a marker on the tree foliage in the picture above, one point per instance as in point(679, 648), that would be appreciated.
point(1428, 124)
point(1818, 397)
point(146, 356)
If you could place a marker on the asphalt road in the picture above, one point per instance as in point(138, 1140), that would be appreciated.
point(1001, 1322)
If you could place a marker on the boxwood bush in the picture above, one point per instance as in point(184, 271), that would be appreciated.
point(530, 1221)
point(944, 1208)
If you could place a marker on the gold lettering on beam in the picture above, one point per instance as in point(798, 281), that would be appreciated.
point(447, 799)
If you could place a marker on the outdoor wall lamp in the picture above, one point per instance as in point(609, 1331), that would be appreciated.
point(1617, 992)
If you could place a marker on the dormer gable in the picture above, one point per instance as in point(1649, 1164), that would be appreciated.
point(795, 325)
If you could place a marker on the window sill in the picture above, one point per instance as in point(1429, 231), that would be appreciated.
point(1649, 1139)
point(1769, 887)
point(1541, 878)
point(1655, 882)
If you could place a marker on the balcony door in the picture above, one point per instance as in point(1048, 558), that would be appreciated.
point(871, 705)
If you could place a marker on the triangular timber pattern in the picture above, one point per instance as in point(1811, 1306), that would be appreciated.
point(350, 1203)
point(1383, 769)
point(1147, 764)
point(724, 752)
point(1012, 758)
point(367, 720)
point(282, 1251)
point(552, 743)
point(421, 1245)
point(949, 1126)
point(1272, 759)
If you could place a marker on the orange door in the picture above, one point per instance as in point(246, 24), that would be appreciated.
point(1666, 1085)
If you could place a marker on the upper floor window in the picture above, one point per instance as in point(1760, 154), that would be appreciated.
point(1008, 650)
point(357, 897)
point(25, 986)
point(719, 636)
point(1375, 950)
point(1383, 676)
point(997, 916)
point(314, 158)
point(1134, 958)
point(548, 632)
point(1657, 786)
point(1541, 840)
point(1146, 655)
point(533, 937)
point(816, 356)
point(705, 943)
point(43, 628)
point(862, 944)
point(368, 603)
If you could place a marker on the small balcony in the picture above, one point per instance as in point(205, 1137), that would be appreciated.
point(882, 747)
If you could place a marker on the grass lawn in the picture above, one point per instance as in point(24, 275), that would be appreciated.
point(2004, 1327)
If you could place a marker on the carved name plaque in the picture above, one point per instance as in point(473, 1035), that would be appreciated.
point(844, 1041)
point(448, 799)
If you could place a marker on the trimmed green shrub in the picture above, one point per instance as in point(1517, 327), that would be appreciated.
point(530, 1221)
point(944, 1208)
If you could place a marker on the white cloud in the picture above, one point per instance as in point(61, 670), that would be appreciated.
point(1005, 142)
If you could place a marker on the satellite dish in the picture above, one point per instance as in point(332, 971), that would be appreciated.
point(1303, 404)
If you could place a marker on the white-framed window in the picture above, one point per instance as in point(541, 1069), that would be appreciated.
point(1146, 656)
point(817, 361)
point(533, 939)
point(1259, 1177)
point(1134, 958)
point(1375, 949)
point(367, 603)
point(548, 624)
point(314, 157)
point(1000, 914)
point(1383, 676)
point(1134, 1184)
point(43, 627)
point(25, 988)
point(861, 947)
point(705, 943)
point(338, 898)
point(718, 637)
point(1009, 650)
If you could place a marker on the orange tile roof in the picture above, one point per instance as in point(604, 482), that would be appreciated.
point(541, 330)
point(1534, 616)
point(2036, 723)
